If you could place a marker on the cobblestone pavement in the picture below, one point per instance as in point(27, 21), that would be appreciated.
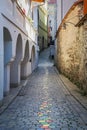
point(44, 104)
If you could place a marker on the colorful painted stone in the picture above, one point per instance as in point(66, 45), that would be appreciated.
point(52, 126)
point(49, 121)
point(42, 121)
point(45, 127)
point(44, 117)
point(40, 114)
point(48, 111)
point(41, 108)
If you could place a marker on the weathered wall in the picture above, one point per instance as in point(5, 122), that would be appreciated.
point(72, 49)
point(85, 54)
point(42, 28)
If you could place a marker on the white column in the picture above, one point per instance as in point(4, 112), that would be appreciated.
point(15, 74)
point(28, 68)
point(7, 79)
point(36, 56)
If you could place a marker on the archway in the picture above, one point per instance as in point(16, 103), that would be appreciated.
point(33, 58)
point(25, 63)
point(16, 65)
point(7, 57)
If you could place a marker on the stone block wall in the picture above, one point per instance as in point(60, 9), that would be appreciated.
point(72, 48)
point(85, 54)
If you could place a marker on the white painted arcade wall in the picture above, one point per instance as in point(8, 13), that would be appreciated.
point(18, 46)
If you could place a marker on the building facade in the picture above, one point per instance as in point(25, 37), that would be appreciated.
point(18, 44)
point(52, 18)
point(42, 27)
point(72, 45)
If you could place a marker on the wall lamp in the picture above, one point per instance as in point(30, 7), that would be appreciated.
point(65, 24)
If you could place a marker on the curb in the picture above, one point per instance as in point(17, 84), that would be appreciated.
point(73, 90)
point(11, 96)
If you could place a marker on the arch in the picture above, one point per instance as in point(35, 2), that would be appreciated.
point(26, 55)
point(25, 62)
point(16, 65)
point(7, 39)
point(33, 58)
point(19, 48)
point(7, 45)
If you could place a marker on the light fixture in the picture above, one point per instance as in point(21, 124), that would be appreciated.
point(65, 24)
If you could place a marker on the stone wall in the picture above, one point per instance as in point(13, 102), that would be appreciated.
point(72, 48)
point(85, 54)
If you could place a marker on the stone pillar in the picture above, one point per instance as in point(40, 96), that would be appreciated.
point(6, 79)
point(15, 74)
point(36, 56)
point(1, 62)
point(26, 70)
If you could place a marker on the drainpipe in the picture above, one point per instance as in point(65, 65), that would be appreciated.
point(61, 10)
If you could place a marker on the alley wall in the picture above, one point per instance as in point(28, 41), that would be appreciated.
point(72, 47)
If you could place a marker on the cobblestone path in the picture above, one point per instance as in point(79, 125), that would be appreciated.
point(44, 104)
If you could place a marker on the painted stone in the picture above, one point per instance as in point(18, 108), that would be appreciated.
point(45, 127)
point(42, 121)
point(49, 121)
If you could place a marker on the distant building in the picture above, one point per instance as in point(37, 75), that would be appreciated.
point(52, 18)
point(42, 27)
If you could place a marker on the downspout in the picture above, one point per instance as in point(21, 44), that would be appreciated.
point(61, 10)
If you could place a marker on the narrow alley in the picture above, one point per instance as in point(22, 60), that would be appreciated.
point(44, 103)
